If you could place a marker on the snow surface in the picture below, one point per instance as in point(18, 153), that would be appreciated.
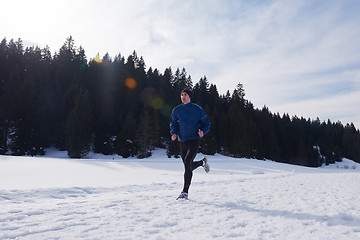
point(108, 197)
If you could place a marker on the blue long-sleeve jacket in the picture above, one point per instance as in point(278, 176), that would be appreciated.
point(186, 120)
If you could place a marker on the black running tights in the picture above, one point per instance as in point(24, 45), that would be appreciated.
point(189, 150)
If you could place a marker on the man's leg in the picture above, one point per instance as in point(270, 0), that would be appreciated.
point(188, 152)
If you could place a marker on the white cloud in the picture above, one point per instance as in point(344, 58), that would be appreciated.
point(289, 55)
point(341, 107)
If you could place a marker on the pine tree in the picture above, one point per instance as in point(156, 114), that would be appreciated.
point(37, 110)
point(79, 126)
point(173, 149)
point(4, 98)
point(145, 136)
point(124, 147)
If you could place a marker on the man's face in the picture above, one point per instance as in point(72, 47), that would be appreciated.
point(185, 98)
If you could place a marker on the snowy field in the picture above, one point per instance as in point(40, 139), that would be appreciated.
point(54, 197)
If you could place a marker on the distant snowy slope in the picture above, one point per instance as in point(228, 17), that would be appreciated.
point(108, 197)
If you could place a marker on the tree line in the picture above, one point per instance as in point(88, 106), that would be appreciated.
point(118, 106)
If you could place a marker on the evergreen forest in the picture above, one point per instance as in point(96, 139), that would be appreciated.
point(118, 105)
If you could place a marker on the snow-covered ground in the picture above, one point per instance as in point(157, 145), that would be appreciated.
point(107, 197)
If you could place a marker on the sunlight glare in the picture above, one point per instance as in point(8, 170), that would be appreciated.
point(130, 82)
point(97, 58)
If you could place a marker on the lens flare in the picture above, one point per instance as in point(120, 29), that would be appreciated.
point(130, 83)
point(152, 98)
point(166, 110)
point(157, 103)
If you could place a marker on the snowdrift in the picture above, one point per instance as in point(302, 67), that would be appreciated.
point(108, 197)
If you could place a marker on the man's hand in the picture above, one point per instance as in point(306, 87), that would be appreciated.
point(201, 133)
point(173, 137)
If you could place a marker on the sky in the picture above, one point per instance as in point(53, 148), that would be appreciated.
point(300, 57)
